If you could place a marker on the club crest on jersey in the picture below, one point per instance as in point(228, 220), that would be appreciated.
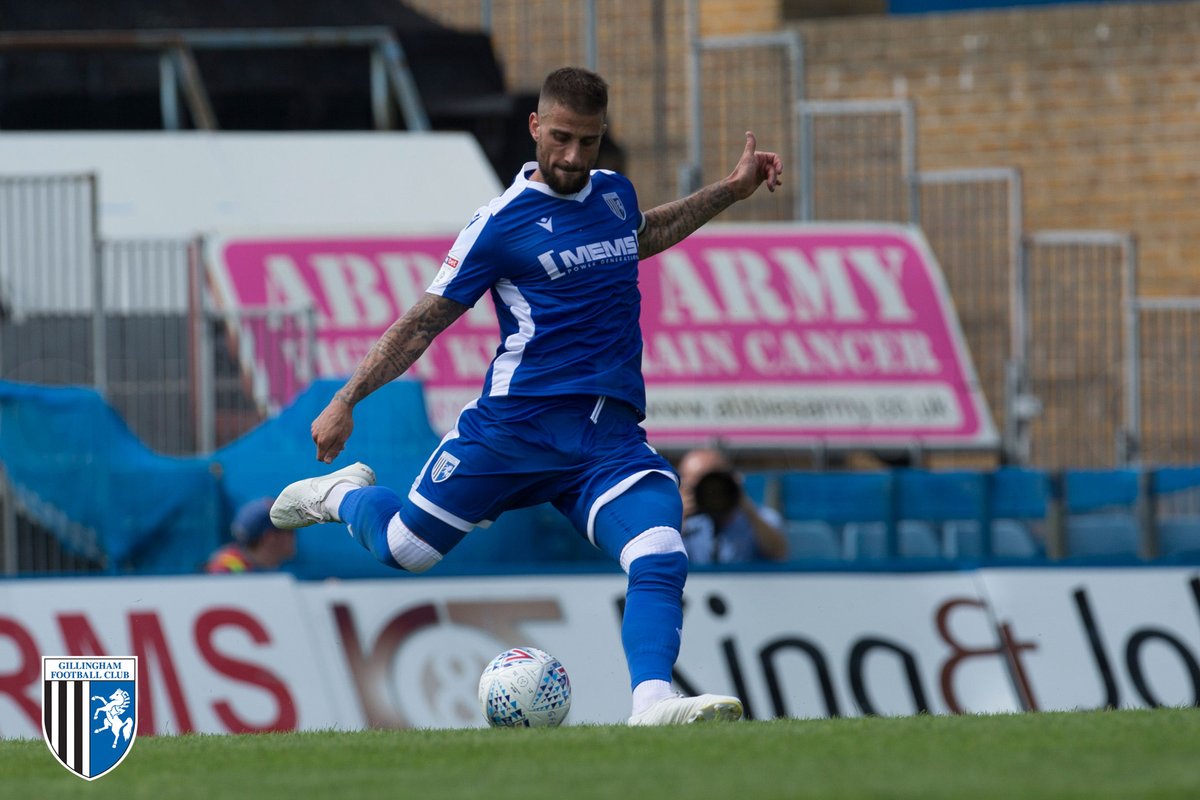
point(89, 711)
point(444, 467)
point(615, 205)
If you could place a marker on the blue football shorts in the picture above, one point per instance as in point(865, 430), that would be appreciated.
point(511, 452)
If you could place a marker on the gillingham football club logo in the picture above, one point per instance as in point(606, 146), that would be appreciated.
point(443, 468)
point(614, 204)
point(89, 711)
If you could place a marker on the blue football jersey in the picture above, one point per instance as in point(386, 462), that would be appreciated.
point(563, 273)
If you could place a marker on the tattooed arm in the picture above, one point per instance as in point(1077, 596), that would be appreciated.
point(671, 223)
point(389, 358)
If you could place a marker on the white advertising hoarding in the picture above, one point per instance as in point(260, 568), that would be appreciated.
point(1103, 637)
point(277, 654)
point(210, 659)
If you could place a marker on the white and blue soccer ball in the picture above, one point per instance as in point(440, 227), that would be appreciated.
point(524, 688)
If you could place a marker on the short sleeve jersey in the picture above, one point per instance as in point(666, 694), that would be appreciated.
point(563, 274)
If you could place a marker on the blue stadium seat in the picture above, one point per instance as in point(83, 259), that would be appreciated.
point(867, 540)
point(1179, 537)
point(963, 538)
point(811, 539)
point(755, 484)
point(1103, 535)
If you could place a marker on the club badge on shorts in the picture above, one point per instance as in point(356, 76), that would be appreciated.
point(89, 711)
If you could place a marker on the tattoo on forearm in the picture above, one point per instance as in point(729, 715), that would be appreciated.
point(672, 222)
point(400, 346)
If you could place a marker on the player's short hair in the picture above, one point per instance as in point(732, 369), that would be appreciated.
point(578, 89)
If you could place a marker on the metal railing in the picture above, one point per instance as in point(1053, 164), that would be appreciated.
point(1082, 346)
point(390, 76)
point(256, 360)
point(973, 219)
point(48, 281)
point(1163, 390)
point(131, 318)
point(858, 160)
point(729, 92)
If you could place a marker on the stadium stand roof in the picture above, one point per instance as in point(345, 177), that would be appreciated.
point(456, 73)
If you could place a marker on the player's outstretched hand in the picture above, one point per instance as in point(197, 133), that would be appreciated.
point(754, 168)
point(331, 429)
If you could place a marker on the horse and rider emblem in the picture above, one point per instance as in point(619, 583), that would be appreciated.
point(89, 711)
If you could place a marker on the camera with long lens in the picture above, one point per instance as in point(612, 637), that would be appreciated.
point(717, 494)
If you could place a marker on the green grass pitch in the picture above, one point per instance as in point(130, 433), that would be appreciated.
point(1131, 755)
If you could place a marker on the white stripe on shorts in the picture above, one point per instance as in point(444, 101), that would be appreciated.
point(616, 491)
point(426, 505)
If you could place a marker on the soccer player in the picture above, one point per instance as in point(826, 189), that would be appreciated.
point(559, 416)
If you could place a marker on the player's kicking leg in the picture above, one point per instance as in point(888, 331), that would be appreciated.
point(399, 534)
point(313, 500)
point(655, 560)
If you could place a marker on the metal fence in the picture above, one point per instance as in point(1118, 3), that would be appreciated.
point(145, 358)
point(973, 221)
point(48, 231)
point(391, 81)
point(1166, 389)
point(858, 160)
point(256, 360)
point(730, 91)
point(1078, 286)
point(641, 47)
point(131, 319)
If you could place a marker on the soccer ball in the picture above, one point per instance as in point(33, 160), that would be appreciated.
point(524, 688)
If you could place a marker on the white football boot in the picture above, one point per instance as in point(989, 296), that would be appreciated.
point(303, 503)
point(681, 710)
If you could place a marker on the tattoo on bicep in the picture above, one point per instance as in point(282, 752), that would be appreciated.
point(673, 222)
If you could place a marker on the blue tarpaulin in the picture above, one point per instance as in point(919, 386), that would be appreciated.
point(80, 472)
point(392, 435)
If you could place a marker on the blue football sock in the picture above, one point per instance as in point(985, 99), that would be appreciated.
point(367, 511)
point(651, 629)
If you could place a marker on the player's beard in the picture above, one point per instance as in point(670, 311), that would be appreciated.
point(563, 183)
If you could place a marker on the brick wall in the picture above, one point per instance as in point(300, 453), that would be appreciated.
point(1099, 106)
point(732, 17)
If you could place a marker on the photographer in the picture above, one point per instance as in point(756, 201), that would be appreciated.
point(721, 523)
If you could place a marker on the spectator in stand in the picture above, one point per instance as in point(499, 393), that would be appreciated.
point(721, 523)
point(257, 546)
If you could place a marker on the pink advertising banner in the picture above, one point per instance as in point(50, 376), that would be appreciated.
point(776, 335)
